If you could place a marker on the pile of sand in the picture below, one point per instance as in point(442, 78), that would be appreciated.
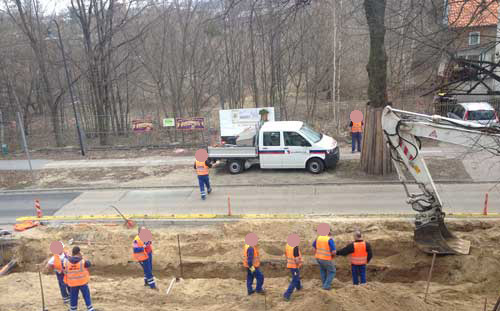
point(213, 278)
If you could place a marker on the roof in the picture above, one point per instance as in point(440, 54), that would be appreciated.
point(472, 13)
point(282, 126)
point(477, 106)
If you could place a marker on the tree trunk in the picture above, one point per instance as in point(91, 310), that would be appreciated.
point(375, 157)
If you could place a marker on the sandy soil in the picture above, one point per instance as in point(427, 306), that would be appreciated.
point(213, 278)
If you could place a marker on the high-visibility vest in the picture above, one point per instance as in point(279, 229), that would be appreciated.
point(357, 127)
point(142, 255)
point(149, 248)
point(58, 264)
point(323, 248)
point(360, 255)
point(201, 168)
point(76, 274)
point(290, 258)
point(256, 259)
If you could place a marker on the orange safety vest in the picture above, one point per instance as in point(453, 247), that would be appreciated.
point(360, 255)
point(290, 258)
point(357, 127)
point(140, 256)
point(75, 274)
point(201, 168)
point(323, 251)
point(58, 264)
point(256, 260)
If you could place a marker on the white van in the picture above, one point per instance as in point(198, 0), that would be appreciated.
point(281, 145)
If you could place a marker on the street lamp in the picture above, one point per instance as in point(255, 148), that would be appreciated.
point(70, 88)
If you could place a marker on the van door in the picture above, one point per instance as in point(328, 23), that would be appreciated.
point(271, 149)
point(296, 150)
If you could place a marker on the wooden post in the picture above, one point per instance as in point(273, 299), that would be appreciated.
point(485, 303)
point(180, 257)
point(430, 275)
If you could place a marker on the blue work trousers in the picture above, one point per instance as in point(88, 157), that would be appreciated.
point(328, 271)
point(204, 180)
point(74, 297)
point(356, 139)
point(148, 273)
point(358, 272)
point(294, 283)
point(150, 263)
point(254, 275)
point(63, 287)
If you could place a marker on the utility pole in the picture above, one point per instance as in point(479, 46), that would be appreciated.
point(70, 88)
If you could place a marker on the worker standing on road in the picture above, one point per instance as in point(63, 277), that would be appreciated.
point(55, 264)
point(325, 252)
point(356, 126)
point(140, 255)
point(201, 165)
point(77, 276)
point(251, 261)
point(361, 254)
point(294, 263)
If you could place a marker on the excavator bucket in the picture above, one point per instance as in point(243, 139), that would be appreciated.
point(435, 237)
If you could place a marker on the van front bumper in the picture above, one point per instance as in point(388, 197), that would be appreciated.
point(332, 158)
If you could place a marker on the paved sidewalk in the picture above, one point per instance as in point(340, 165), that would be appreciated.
point(40, 164)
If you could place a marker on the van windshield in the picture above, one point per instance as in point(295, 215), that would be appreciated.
point(310, 134)
point(481, 115)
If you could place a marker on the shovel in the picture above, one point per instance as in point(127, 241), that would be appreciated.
point(128, 223)
point(41, 290)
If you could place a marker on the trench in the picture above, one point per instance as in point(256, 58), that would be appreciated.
point(396, 258)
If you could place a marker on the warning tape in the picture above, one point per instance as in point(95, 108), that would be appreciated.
point(171, 216)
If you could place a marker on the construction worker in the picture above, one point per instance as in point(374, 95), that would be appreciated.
point(356, 133)
point(140, 255)
point(201, 168)
point(324, 249)
point(149, 250)
point(294, 263)
point(251, 261)
point(361, 254)
point(55, 264)
point(77, 276)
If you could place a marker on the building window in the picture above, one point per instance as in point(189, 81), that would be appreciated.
point(474, 38)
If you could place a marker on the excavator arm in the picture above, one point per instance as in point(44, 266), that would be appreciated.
point(402, 130)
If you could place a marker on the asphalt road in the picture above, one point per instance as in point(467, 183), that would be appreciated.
point(311, 200)
point(17, 205)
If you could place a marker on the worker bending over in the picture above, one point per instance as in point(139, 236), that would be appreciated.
point(140, 255)
point(361, 254)
point(55, 264)
point(325, 252)
point(294, 263)
point(77, 277)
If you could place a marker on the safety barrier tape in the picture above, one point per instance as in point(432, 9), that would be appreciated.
point(171, 216)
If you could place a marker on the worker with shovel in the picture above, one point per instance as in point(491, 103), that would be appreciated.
point(141, 256)
point(77, 277)
point(55, 264)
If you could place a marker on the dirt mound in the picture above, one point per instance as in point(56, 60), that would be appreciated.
point(213, 275)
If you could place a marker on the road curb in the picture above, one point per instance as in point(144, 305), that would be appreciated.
point(171, 216)
point(242, 216)
point(346, 183)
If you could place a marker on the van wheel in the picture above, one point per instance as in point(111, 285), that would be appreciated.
point(235, 166)
point(315, 166)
